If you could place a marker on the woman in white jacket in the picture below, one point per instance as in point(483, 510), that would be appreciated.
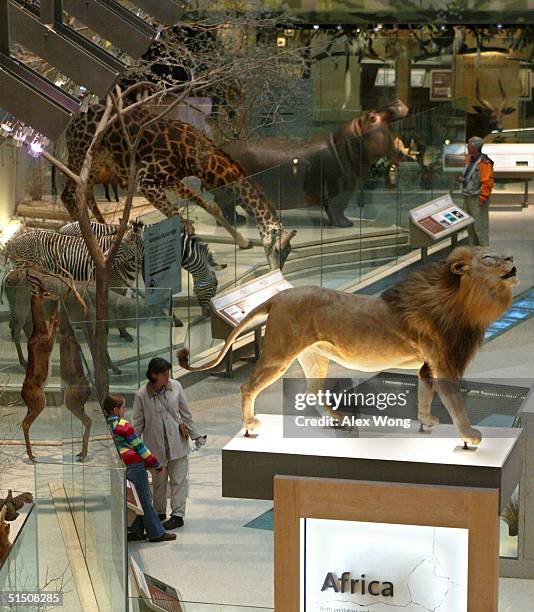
point(161, 415)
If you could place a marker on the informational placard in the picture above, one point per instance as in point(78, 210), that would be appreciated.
point(233, 306)
point(441, 84)
point(132, 498)
point(440, 217)
point(157, 595)
point(163, 259)
point(351, 566)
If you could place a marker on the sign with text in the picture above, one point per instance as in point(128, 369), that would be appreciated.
point(234, 305)
point(349, 566)
point(440, 217)
point(163, 259)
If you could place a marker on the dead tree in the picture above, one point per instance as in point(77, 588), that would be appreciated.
point(40, 345)
point(114, 111)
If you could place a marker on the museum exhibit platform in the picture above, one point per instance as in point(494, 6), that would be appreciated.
point(249, 464)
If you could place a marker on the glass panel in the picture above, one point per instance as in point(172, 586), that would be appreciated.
point(129, 353)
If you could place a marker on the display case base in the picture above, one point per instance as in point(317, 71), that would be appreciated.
point(249, 464)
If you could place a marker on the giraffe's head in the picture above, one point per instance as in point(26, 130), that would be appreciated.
point(280, 247)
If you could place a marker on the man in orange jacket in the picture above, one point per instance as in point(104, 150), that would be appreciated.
point(477, 183)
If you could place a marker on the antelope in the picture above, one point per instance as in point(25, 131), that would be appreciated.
point(487, 117)
point(4, 536)
point(40, 345)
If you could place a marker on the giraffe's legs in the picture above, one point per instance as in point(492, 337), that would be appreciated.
point(214, 210)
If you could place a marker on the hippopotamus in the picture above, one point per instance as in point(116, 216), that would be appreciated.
point(324, 169)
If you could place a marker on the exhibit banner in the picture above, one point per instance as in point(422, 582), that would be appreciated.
point(163, 259)
point(349, 566)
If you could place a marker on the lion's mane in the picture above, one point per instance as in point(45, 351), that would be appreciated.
point(451, 311)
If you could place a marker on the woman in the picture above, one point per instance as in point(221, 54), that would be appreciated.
point(161, 415)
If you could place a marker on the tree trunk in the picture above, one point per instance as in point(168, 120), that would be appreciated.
point(100, 354)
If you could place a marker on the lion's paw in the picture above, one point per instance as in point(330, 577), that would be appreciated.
point(429, 420)
point(472, 436)
point(251, 424)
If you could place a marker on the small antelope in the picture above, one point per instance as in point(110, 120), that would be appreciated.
point(40, 345)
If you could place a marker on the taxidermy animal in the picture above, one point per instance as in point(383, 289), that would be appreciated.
point(171, 150)
point(328, 167)
point(40, 345)
point(13, 504)
point(4, 536)
point(433, 320)
point(76, 387)
point(106, 177)
point(487, 117)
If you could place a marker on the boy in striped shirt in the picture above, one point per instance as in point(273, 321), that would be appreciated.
point(137, 459)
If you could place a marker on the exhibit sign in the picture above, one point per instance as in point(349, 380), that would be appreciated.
point(163, 259)
point(351, 566)
point(441, 85)
point(440, 217)
point(344, 545)
point(234, 305)
point(156, 594)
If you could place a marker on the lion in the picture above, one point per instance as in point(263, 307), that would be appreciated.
point(433, 320)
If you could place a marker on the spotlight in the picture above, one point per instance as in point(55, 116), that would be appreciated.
point(499, 26)
point(37, 145)
point(447, 142)
point(315, 27)
point(6, 127)
point(18, 136)
point(339, 27)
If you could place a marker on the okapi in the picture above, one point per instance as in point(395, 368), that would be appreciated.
point(487, 118)
point(40, 345)
point(107, 176)
point(323, 170)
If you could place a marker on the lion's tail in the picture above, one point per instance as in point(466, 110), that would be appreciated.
point(259, 312)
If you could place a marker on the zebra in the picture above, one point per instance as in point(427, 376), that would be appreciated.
point(197, 259)
point(56, 252)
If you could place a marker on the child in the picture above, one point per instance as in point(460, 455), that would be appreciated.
point(137, 459)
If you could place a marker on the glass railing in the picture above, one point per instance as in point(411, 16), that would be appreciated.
point(137, 332)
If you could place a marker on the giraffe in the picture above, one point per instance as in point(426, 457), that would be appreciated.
point(170, 151)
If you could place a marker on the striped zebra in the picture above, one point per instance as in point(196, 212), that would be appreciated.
point(57, 252)
point(197, 259)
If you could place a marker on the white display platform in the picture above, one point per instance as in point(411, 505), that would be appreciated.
point(250, 463)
